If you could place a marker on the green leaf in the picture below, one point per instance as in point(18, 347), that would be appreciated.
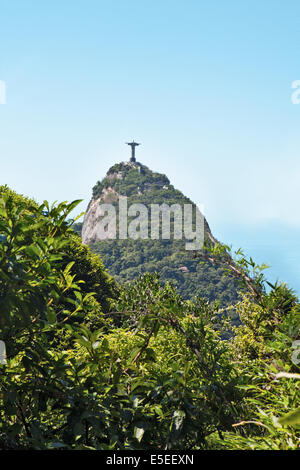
point(51, 317)
point(290, 419)
point(33, 251)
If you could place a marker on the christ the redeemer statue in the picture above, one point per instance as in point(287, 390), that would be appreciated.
point(132, 144)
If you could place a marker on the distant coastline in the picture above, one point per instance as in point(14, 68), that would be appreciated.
point(272, 243)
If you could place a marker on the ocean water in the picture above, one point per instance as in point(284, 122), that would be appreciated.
point(272, 243)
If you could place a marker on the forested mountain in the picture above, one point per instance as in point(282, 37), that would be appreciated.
point(126, 259)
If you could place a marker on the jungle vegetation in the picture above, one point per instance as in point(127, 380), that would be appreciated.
point(93, 364)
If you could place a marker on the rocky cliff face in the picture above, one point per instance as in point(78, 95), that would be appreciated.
point(90, 232)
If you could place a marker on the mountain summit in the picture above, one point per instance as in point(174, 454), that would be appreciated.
point(127, 258)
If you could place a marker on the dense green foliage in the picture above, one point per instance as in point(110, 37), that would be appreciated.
point(148, 369)
point(126, 259)
point(36, 221)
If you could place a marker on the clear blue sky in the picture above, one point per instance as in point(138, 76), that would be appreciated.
point(205, 86)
